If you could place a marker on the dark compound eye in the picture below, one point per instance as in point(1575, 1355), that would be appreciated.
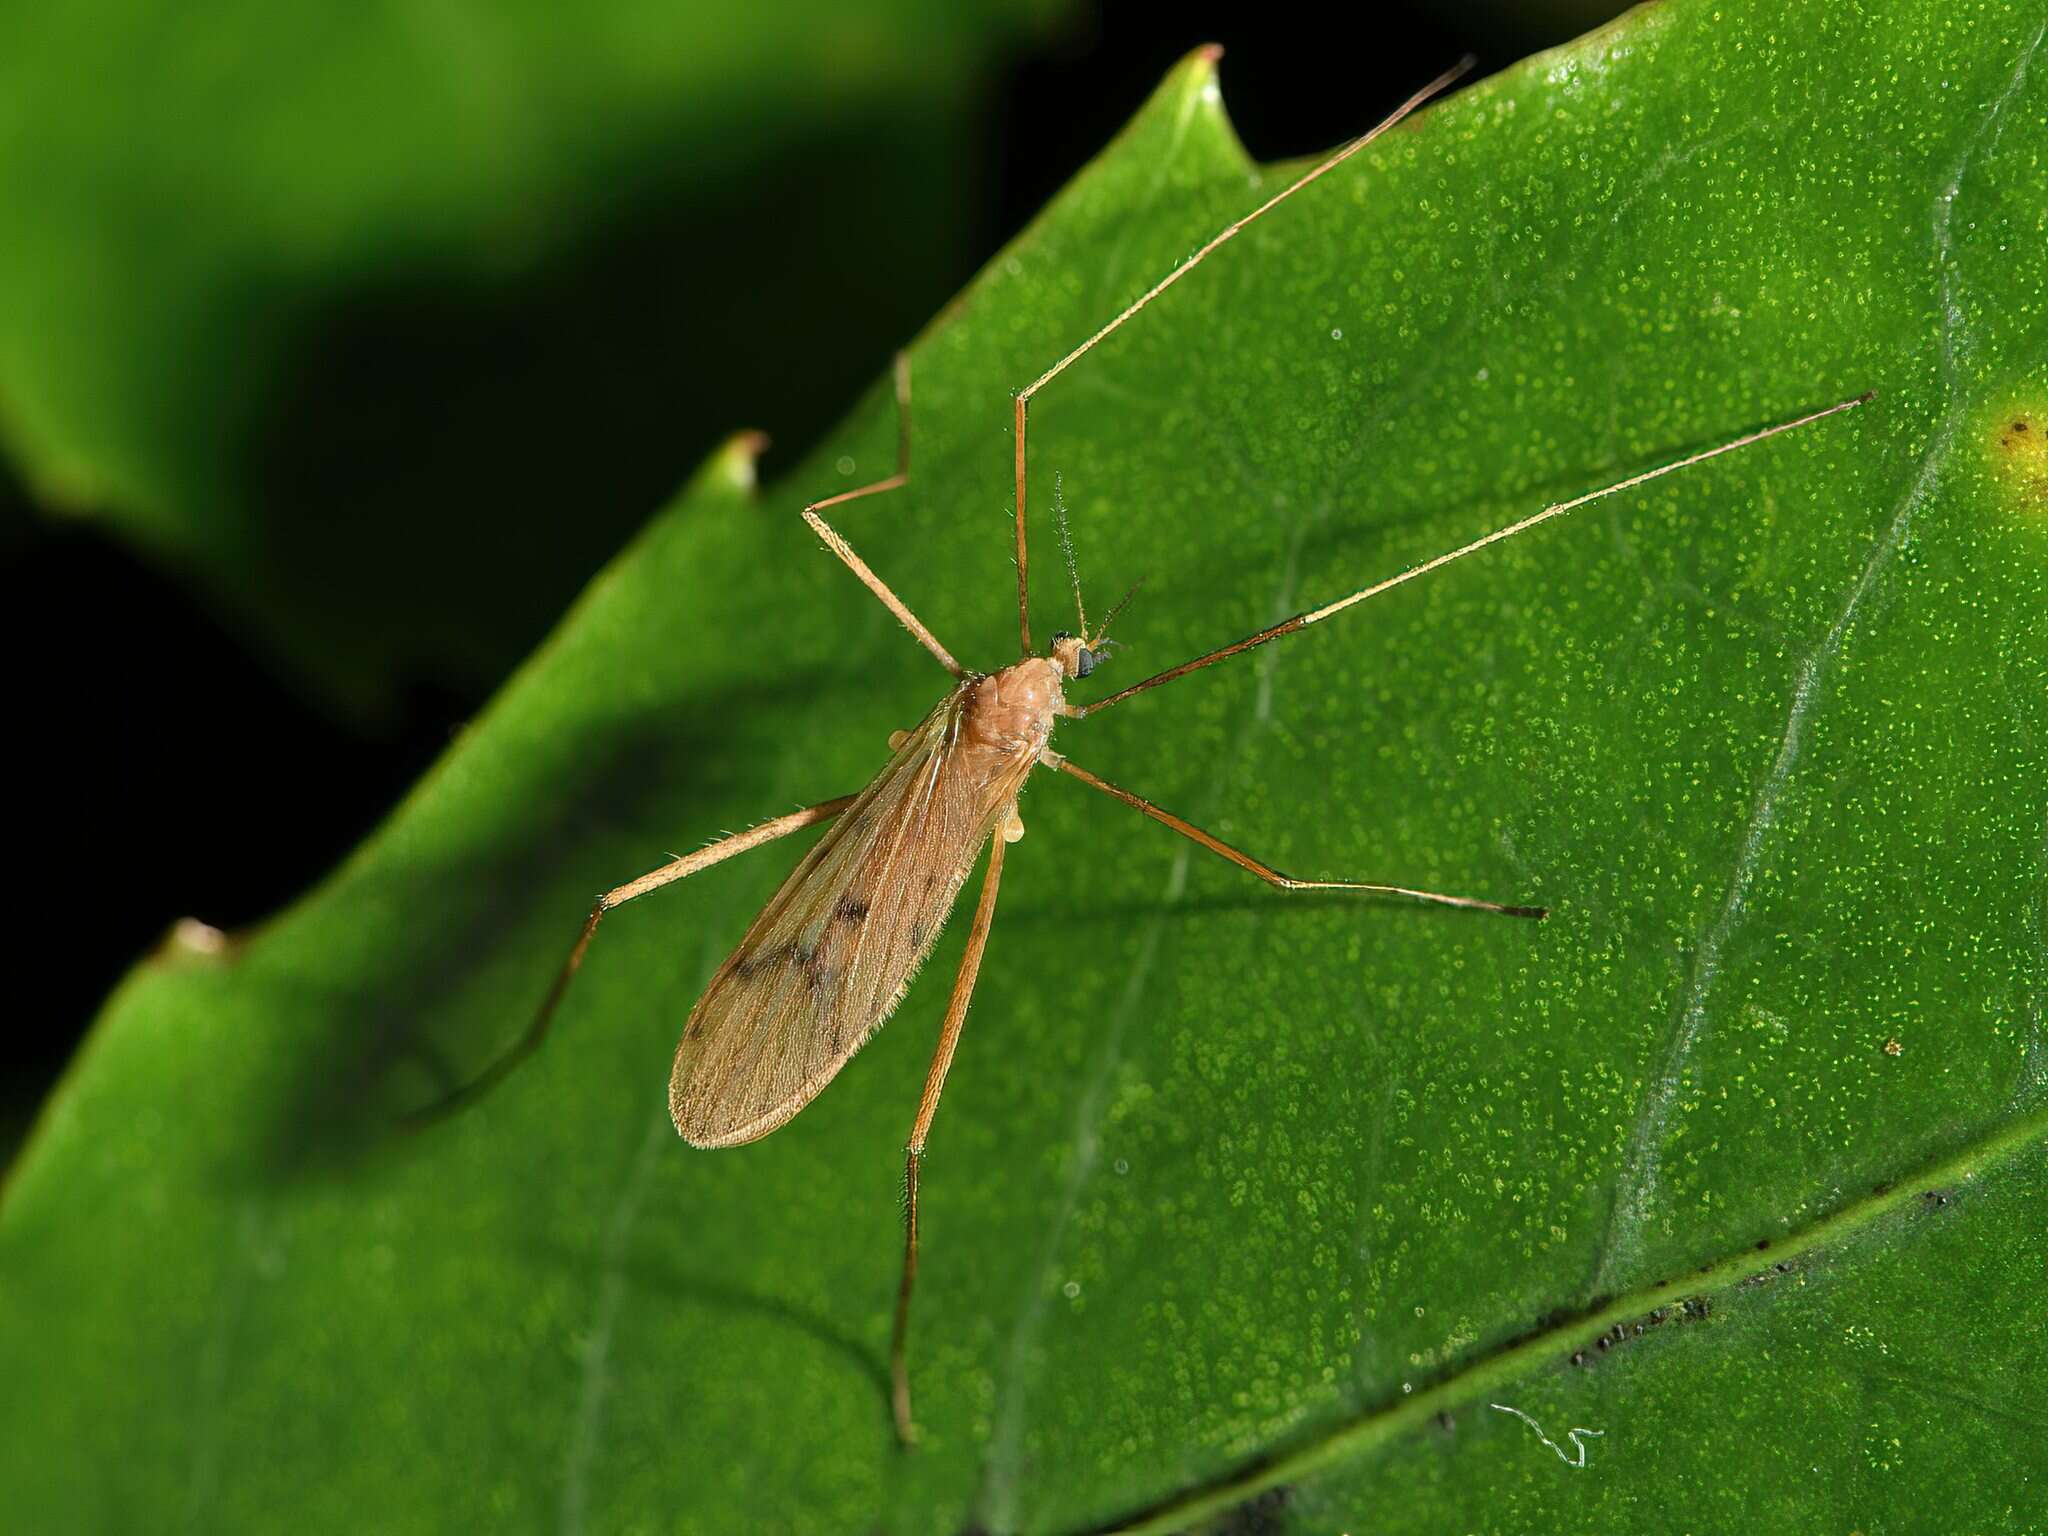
point(1084, 663)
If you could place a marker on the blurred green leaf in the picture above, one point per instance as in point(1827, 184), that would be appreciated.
point(388, 324)
point(1232, 1195)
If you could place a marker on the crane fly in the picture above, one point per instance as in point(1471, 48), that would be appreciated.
point(832, 953)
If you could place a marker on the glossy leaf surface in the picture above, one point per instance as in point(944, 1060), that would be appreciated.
point(1232, 1194)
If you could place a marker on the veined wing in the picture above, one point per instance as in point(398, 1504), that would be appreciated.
point(831, 954)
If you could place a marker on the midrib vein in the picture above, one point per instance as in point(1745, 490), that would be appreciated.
point(1484, 1376)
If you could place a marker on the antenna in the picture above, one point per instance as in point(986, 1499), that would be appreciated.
point(1230, 231)
point(1555, 509)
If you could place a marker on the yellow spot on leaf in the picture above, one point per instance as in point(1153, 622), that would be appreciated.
point(2019, 456)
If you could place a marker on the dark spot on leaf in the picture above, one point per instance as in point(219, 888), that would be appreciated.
point(1695, 1309)
point(1552, 1320)
point(1763, 1245)
point(2021, 461)
point(1263, 1514)
point(1934, 1197)
point(1578, 1357)
point(1446, 1423)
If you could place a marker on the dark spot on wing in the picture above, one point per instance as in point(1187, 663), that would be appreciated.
point(851, 910)
point(773, 959)
point(917, 933)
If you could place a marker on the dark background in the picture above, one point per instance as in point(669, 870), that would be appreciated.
point(165, 766)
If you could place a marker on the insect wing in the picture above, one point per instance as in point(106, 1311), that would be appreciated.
point(832, 952)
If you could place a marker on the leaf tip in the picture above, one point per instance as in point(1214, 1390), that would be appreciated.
point(738, 460)
point(732, 469)
point(1191, 85)
point(190, 941)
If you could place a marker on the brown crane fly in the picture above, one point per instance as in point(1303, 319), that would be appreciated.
point(835, 948)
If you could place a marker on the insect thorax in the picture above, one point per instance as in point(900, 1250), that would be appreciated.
point(1009, 714)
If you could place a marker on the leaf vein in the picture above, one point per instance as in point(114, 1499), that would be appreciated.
point(1489, 1372)
point(1637, 1181)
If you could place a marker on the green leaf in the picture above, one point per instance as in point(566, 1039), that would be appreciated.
point(1232, 1194)
point(386, 326)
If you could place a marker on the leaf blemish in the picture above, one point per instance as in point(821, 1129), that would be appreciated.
point(1577, 1458)
point(2019, 460)
point(1263, 1514)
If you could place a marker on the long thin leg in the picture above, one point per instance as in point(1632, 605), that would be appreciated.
point(880, 588)
point(1266, 872)
point(934, 1085)
point(1229, 233)
point(1555, 509)
point(654, 880)
point(838, 545)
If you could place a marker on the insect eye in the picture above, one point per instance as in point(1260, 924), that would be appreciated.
point(1084, 663)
